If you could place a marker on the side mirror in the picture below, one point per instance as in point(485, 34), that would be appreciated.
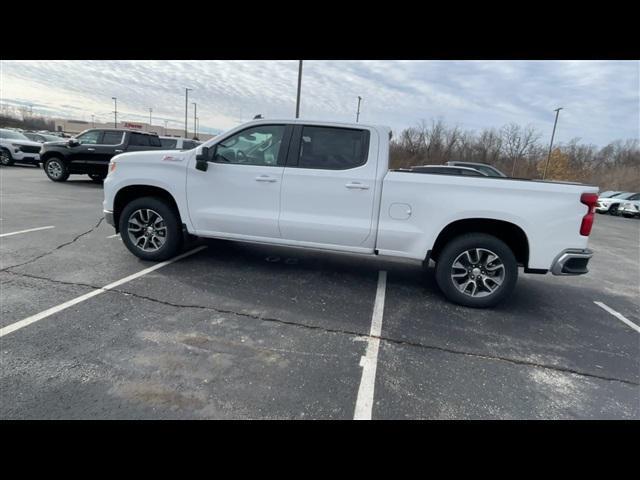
point(202, 159)
point(73, 142)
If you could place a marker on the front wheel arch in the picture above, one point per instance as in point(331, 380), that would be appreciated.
point(127, 194)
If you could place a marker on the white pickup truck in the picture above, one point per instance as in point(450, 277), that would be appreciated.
point(328, 186)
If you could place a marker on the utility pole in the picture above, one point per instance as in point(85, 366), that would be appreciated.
point(358, 114)
point(557, 110)
point(150, 111)
point(165, 127)
point(115, 112)
point(186, 109)
point(195, 127)
point(93, 123)
point(299, 87)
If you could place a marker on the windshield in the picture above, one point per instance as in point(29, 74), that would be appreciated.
point(11, 135)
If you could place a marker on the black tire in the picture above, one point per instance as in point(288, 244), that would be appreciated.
point(613, 210)
point(457, 247)
point(6, 159)
point(56, 169)
point(171, 219)
point(97, 177)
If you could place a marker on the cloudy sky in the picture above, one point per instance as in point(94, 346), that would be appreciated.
point(600, 98)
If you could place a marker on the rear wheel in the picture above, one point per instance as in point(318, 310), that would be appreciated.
point(150, 228)
point(476, 270)
point(5, 158)
point(56, 169)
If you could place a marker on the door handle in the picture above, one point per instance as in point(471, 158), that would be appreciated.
point(91, 149)
point(265, 178)
point(357, 185)
point(118, 151)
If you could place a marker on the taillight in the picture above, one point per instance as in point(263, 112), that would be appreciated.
point(590, 200)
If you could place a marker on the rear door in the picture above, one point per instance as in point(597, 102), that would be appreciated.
point(239, 194)
point(328, 186)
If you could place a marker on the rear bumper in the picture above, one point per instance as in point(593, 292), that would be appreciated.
point(572, 261)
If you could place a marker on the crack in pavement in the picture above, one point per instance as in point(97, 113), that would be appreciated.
point(338, 331)
point(8, 269)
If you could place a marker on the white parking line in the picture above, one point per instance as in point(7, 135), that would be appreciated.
point(619, 316)
point(114, 235)
point(27, 231)
point(39, 316)
point(369, 362)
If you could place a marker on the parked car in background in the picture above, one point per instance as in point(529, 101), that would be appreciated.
point(610, 193)
point(630, 208)
point(89, 153)
point(610, 205)
point(488, 170)
point(178, 143)
point(448, 170)
point(328, 186)
point(16, 147)
point(41, 137)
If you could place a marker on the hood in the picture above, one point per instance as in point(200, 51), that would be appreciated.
point(149, 156)
point(27, 143)
point(56, 143)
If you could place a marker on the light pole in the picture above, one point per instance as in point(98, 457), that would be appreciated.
point(358, 114)
point(195, 127)
point(165, 127)
point(150, 111)
point(115, 112)
point(93, 123)
point(557, 110)
point(186, 109)
point(299, 87)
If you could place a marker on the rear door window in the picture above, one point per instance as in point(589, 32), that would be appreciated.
point(329, 148)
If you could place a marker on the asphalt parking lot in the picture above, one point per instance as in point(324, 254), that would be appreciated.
point(236, 331)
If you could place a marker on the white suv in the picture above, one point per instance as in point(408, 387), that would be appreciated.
point(15, 147)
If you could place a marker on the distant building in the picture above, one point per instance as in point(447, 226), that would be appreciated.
point(74, 127)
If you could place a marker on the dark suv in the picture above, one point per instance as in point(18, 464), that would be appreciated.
point(90, 152)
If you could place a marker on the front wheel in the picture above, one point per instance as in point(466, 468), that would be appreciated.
point(5, 158)
point(150, 228)
point(476, 270)
point(613, 209)
point(56, 169)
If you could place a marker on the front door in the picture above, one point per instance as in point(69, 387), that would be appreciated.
point(239, 194)
point(87, 150)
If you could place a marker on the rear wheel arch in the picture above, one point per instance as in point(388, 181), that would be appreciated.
point(508, 232)
point(132, 192)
